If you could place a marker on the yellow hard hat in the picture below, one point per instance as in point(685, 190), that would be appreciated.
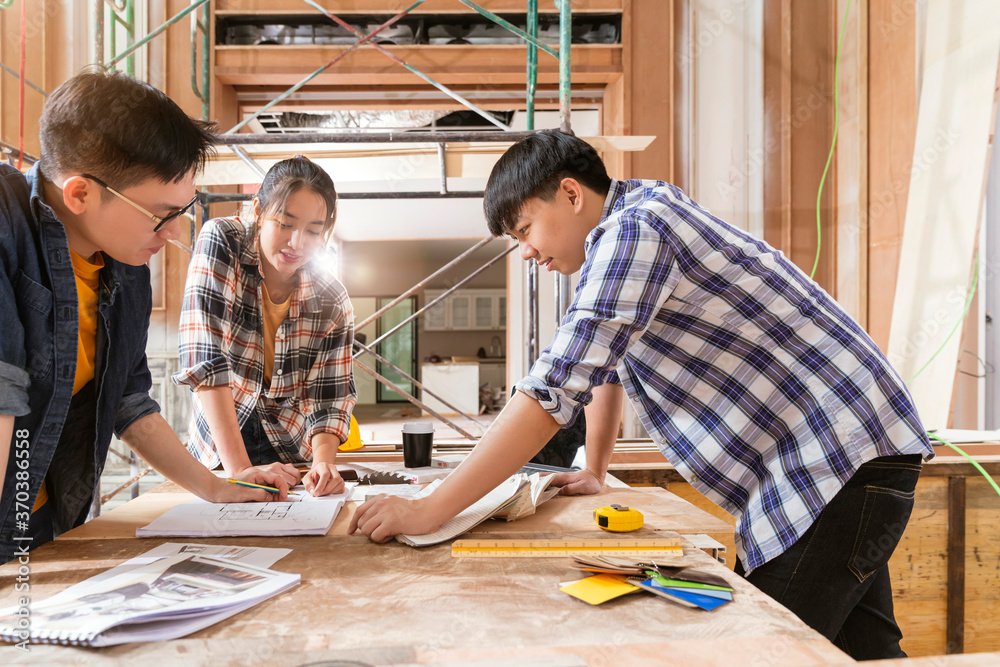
point(353, 438)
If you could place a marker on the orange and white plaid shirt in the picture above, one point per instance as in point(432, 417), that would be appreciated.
point(221, 343)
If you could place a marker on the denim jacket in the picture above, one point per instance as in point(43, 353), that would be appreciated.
point(38, 349)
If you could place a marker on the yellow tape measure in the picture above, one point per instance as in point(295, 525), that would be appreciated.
point(618, 518)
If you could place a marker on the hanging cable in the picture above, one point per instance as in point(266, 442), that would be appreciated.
point(974, 462)
point(961, 318)
point(833, 143)
point(819, 240)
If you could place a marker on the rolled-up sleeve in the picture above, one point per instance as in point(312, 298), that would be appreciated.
point(14, 379)
point(629, 273)
point(208, 293)
point(330, 391)
point(14, 383)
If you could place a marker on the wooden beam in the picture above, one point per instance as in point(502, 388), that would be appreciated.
point(850, 161)
point(955, 624)
point(649, 86)
point(892, 126)
point(777, 124)
point(813, 32)
point(947, 186)
point(449, 65)
point(286, 7)
point(680, 142)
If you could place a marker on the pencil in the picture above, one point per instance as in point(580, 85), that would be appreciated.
point(259, 486)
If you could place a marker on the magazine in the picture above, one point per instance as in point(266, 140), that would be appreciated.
point(518, 496)
point(165, 599)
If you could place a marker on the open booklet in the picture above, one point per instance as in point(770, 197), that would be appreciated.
point(148, 599)
point(518, 496)
point(197, 518)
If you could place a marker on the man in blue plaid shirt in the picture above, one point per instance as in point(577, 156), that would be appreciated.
point(763, 393)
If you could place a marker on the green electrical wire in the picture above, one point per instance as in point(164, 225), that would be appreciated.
point(833, 144)
point(974, 462)
point(819, 241)
point(965, 311)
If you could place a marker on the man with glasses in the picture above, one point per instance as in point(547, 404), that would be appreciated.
point(117, 167)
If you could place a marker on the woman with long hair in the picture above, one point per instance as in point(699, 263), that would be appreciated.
point(266, 333)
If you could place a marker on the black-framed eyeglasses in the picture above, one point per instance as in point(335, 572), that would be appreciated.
point(155, 218)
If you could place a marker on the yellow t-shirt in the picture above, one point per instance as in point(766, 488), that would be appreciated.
point(273, 314)
point(87, 282)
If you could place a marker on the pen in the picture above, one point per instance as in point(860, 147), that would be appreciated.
point(259, 486)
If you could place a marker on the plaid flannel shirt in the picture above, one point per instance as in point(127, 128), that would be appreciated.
point(763, 393)
point(221, 343)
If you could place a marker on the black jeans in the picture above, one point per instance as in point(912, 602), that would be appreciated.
point(836, 577)
point(259, 448)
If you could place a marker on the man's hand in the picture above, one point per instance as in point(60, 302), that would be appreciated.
point(383, 517)
point(224, 492)
point(323, 479)
point(286, 471)
point(582, 482)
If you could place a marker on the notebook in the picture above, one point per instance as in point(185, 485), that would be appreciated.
point(164, 599)
point(201, 519)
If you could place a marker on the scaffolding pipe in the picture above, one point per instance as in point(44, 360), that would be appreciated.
point(97, 25)
point(399, 61)
point(99, 500)
point(242, 154)
point(202, 91)
point(444, 169)
point(402, 392)
point(13, 150)
point(438, 299)
point(565, 39)
point(563, 298)
point(225, 197)
point(530, 37)
point(133, 468)
point(26, 81)
point(325, 67)
point(408, 293)
point(407, 137)
point(406, 376)
point(128, 23)
point(148, 38)
point(533, 330)
point(532, 63)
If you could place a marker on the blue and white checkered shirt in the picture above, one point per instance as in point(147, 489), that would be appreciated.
point(754, 383)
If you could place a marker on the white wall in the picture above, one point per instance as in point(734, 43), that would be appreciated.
point(728, 126)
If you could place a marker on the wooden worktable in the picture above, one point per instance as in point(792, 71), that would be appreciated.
point(393, 604)
point(946, 567)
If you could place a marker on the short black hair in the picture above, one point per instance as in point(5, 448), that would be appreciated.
point(119, 129)
point(534, 167)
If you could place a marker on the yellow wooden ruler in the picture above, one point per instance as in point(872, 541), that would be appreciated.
point(553, 547)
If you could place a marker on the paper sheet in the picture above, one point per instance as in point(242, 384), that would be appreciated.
point(363, 492)
point(599, 588)
point(201, 519)
point(471, 516)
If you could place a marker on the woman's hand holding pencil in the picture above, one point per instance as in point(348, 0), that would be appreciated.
point(252, 485)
